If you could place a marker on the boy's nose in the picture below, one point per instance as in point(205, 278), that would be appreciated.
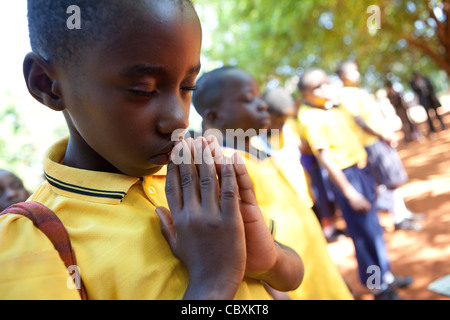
point(262, 106)
point(174, 116)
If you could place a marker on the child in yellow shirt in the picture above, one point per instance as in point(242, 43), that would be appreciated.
point(124, 89)
point(229, 101)
point(384, 162)
point(330, 132)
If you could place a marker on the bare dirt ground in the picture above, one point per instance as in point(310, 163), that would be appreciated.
point(423, 254)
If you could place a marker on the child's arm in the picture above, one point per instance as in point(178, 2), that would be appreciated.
point(363, 125)
point(204, 227)
point(356, 200)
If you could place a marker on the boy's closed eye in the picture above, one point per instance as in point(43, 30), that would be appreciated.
point(247, 97)
point(144, 92)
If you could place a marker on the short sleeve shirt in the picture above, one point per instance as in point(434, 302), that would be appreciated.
point(115, 233)
point(333, 130)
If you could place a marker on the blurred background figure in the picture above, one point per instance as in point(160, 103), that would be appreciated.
point(284, 142)
point(281, 144)
point(12, 189)
point(410, 130)
point(427, 98)
point(383, 161)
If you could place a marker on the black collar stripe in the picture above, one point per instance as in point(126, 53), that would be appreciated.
point(84, 191)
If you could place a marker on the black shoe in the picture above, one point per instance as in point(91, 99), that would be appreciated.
point(401, 282)
point(408, 225)
point(388, 294)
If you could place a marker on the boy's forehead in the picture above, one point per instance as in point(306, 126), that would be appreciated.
point(159, 11)
point(6, 175)
point(144, 16)
point(149, 32)
point(239, 77)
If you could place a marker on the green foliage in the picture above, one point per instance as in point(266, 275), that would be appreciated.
point(24, 137)
point(276, 39)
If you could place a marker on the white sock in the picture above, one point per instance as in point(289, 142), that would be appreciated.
point(398, 208)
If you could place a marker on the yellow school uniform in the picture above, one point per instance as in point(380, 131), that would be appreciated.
point(115, 233)
point(292, 123)
point(320, 128)
point(359, 104)
point(296, 226)
point(285, 156)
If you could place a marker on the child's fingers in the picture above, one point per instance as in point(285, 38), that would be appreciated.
point(173, 190)
point(216, 152)
point(228, 192)
point(190, 144)
point(167, 227)
point(209, 186)
point(189, 182)
point(245, 184)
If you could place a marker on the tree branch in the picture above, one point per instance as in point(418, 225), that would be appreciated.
point(441, 61)
point(441, 32)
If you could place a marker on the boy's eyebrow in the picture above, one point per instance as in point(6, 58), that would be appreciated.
point(144, 69)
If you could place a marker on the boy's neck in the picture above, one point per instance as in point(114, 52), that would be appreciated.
point(315, 106)
point(81, 156)
point(350, 84)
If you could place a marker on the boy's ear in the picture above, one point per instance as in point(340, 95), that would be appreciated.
point(40, 79)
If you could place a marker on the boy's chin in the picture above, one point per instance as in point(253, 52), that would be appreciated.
point(139, 173)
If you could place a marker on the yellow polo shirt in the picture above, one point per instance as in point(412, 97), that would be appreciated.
point(334, 130)
point(360, 104)
point(285, 157)
point(115, 233)
point(296, 226)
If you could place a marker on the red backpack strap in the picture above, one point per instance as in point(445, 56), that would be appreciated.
point(47, 221)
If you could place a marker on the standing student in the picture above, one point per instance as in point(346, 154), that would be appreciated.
point(423, 88)
point(124, 82)
point(330, 133)
point(284, 146)
point(229, 101)
point(384, 162)
point(410, 130)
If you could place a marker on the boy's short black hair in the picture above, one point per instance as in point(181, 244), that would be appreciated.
point(209, 91)
point(278, 100)
point(54, 41)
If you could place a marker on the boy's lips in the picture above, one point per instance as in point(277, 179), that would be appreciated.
point(266, 120)
point(163, 157)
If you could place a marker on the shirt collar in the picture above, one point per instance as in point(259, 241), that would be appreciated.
point(94, 186)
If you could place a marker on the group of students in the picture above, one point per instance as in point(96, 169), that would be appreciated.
point(237, 225)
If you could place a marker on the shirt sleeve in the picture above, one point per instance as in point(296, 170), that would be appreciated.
point(315, 132)
point(31, 268)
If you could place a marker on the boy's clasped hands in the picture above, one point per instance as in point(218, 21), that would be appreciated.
point(215, 226)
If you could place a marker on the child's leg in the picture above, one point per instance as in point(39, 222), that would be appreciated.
point(325, 209)
point(364, 229)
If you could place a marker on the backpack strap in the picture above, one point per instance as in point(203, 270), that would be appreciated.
point(47, 221)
